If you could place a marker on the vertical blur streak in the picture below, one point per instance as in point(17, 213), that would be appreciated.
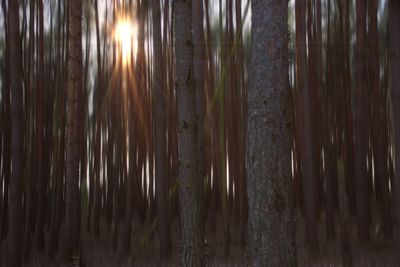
point(16, 179)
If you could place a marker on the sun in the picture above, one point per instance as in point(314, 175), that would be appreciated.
point(125, 35)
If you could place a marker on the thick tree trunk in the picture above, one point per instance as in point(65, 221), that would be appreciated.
point(271, 222)
point(16, 179)
point(190, 184)
point(74, 84)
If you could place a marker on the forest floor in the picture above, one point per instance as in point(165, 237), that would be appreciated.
point(100, 252)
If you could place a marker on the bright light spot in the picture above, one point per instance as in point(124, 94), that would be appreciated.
point(125, 34)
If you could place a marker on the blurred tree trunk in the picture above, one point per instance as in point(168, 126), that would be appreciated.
point(329, 129)
point(190, 186)
point(380, 120)
point(271, 222)
point(306, 145)
point(72, 152)
point(41, 185)
point(394, 56)
point(94, 197)
point(16, 179)
point(160, 138)
point(361, 113)
point(6, 131)
point(348, 127)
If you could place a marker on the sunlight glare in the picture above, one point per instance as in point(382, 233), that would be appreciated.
point(126, 37)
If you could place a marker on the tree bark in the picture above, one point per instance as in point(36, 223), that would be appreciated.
point(74, 84)
point(271, 225)
point(190, 186)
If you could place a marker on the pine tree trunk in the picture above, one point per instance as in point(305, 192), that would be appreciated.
point(271, 240)
point(74, 84)
point(190, 183)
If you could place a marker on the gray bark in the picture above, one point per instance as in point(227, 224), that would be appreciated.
point(271, 240)
point(190, 186)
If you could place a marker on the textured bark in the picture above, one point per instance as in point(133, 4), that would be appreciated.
point(160, 139)
point(16, 179)
point(74, 84)
point(190, 186)
point(271, 225)
point(199, 67)
point(394, 56)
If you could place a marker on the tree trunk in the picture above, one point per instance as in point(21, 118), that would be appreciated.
point(361, 142)
point(306, 145)
point(41, 192)
point(72, 152)
point(379, 118)
point(271, 222)
point(159, 109)
point(16, 179)
point(394, 56)
point(199, 59)
point(190, 184)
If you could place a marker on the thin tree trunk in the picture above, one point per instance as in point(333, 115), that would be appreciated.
point(379, 118)
point(361, 112)
point(394, 56)
point(40, 135)
point(309, 183)
point(16, 179)
point(72, 161)
point(160, 138)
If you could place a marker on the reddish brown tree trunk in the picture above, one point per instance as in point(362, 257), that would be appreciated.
point(361, 113)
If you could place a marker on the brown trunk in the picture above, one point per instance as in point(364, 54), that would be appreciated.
point(304, 116)
point(159, 111)
point(394, 56)
point(72, 153)
point(41, 191)
point(361, 113)
point(16, 179)
point(379, 117)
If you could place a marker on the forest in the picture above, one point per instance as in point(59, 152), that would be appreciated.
point(199, 133)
